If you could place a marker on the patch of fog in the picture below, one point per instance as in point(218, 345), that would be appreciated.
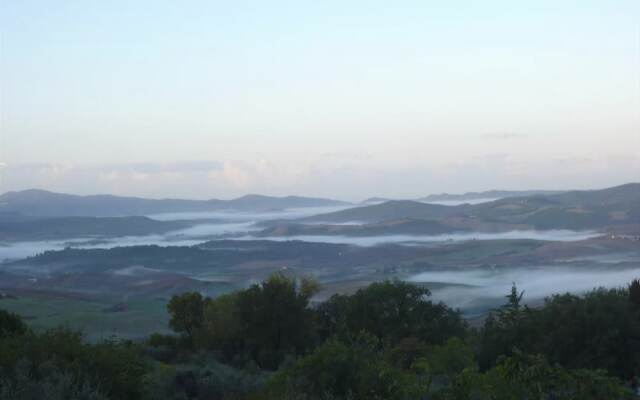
point(607, 258)
point(19, 250)
point(36, 270)
point(216, 229)
point(211, 279)
point(184, 237)
point(136, 270)
point(551, 235)
point(160, 240)
point(244, 216)
point(474, 292)
point(344, 223)
point(197, 234)
point(460, 202)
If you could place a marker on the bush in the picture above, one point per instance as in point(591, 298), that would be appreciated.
point(49, 383)
point(524, 376)
point(116, 369)
point(353, 370)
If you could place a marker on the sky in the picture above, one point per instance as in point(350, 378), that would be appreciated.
point(348, 100)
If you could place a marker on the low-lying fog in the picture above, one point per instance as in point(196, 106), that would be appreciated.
point(553, 235)
point(232, 223)
point(240, 225)
point(200, 233)
point(460, 202)
point(239, 216)
point(476, 291)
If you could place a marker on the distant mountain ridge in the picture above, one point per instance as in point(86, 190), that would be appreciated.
point(44, 203)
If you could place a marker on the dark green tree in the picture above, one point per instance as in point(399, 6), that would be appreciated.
point(634, 293)
point(598, 330)
point(222, 326)
point(275, 318)
point(390, 310)
point(356, 369)
point(11, 324)
point(187, 313)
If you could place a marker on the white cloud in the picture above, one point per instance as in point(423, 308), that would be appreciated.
point(325, 175)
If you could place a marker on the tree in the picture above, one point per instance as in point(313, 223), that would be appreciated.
point(634, 293)
point(186, 312)
point(356, 369)
point(390, 310)
point(597, 330)
point(11, 324)
point(451, 358)
point(505, 329)
point(275, 319)
point(222, 326)
point(510, 313)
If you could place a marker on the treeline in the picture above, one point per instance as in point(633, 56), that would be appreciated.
point(386, 341)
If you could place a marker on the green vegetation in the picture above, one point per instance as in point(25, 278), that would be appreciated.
point(56, 364)
point(91, 317)
point(390, 311)
point(386, 341)
point(598, 330)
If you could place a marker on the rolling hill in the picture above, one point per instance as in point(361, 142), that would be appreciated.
point(589, 209)
point(390, 210)
point(15, 227)
point(392, 227)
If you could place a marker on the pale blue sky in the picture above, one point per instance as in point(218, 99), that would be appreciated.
point(332, 98)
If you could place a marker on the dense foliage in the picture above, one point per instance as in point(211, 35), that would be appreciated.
point(386, 341)
point(57, 364)
point(390, 311)
point(598, 330)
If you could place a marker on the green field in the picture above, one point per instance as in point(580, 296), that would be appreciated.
point(141, 317)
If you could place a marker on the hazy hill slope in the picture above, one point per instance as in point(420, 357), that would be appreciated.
point(393, 227)
point(56, 228)
point(591, 209)
point(391, 210)
point(44, 203)
point(625, 195)
point(571, 210)
point(260, 202)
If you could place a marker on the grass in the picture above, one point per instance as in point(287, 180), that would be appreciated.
point(141, 317)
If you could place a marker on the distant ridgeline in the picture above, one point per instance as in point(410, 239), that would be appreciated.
point(44, 203)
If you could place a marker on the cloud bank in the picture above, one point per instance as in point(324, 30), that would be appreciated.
point(344, 176)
